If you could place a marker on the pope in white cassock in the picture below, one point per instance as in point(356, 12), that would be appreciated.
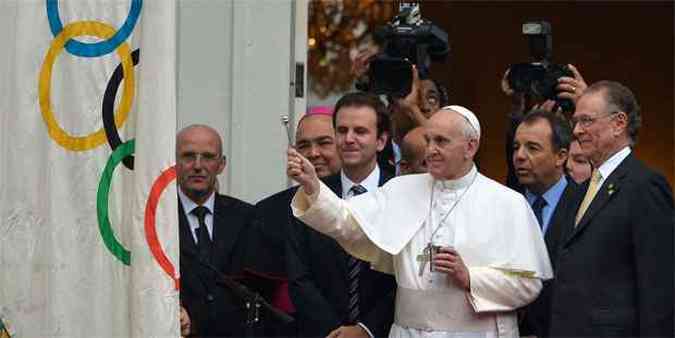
point(466, 251)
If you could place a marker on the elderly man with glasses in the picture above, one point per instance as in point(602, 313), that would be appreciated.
point(614, 270)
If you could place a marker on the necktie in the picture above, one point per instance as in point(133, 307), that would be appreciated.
point(538, 208)
point(353, 270)
point(590, 194)
point(203, 240)
point(357, 190)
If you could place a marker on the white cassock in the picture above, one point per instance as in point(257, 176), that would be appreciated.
point(492, 228)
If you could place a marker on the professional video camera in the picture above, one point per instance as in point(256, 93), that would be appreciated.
point(405, 41)
point(539, 78)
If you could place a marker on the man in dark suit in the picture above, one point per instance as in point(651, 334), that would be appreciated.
point(334, 293)
point(540, 151)
point(614, 270)
point(314, 139)
point(213, 230)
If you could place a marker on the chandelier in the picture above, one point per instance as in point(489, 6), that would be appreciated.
point(337, 30)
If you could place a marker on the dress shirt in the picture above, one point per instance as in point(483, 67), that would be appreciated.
point(552, 197)
point(189, 205)
point(371, 182)
point(611, 164)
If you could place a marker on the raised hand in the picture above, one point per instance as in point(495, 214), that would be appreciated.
point(571, 87)
point(302, 171)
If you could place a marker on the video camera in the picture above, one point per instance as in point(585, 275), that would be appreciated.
point(405, 41)
point(539, 78)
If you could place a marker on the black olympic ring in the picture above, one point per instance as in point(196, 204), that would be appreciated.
point(108, 109)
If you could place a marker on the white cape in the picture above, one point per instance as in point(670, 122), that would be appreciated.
point(501, 230)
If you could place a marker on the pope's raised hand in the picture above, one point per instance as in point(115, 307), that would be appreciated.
point(302, 171)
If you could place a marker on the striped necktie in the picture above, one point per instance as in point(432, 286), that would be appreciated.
point(353, 271)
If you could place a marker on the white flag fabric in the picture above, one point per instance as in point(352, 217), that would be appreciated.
point(88, 213)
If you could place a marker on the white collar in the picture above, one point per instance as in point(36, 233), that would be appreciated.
point(458, 183)
point(371, 182)
point(189, 205)
point(613, 162)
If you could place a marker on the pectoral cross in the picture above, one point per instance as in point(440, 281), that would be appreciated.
point(424, 257)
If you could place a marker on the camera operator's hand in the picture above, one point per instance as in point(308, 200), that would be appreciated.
point(362, 60)
point(571, 88)
point(548, 105)
point(411, 104)
point(517, 99)
point(506, 88)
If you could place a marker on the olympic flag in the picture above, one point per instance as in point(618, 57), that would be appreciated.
point(88, 215)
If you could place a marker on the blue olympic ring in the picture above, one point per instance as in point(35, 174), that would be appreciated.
point(99, 48)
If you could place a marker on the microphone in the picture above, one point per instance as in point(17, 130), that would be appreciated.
point(252, 299)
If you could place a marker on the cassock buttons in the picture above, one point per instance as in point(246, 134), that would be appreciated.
point(209, 298)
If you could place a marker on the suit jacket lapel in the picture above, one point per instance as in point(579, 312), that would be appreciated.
point(188, 250)
point(226, 228)
point(606, 193)
point(335, 184)
point(384, 177)
point(187, 242)
point(553, 230)
point(558, 228)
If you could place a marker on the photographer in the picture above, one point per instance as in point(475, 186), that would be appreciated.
point(522, 102)
point(426, 97)
point(398, 67)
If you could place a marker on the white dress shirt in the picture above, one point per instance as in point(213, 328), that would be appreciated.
point(189, 205)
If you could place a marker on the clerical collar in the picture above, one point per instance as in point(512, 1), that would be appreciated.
point(458, 183)
point(371, 182)
point(189, 205)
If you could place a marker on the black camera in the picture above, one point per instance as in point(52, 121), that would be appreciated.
point(539, 78)
point(405, 41)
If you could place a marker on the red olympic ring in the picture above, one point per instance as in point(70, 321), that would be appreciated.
point(158, 187)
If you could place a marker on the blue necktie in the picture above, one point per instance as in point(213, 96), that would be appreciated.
point(538, 208)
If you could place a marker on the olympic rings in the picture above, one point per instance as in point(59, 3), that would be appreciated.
point(109, 106)
point(111, 43)
point(158, 187)
point(97, 138)
point(122, 152)
point(117, 249)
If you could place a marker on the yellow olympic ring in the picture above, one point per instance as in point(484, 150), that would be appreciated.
point(93, 140)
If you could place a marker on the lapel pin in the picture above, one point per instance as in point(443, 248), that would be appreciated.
point(610, 189)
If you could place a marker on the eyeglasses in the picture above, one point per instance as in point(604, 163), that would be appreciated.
point(208, 158)
point(586, 121)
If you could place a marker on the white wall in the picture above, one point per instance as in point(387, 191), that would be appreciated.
point(236, 60)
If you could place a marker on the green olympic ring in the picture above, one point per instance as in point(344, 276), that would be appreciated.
point(114, 246)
